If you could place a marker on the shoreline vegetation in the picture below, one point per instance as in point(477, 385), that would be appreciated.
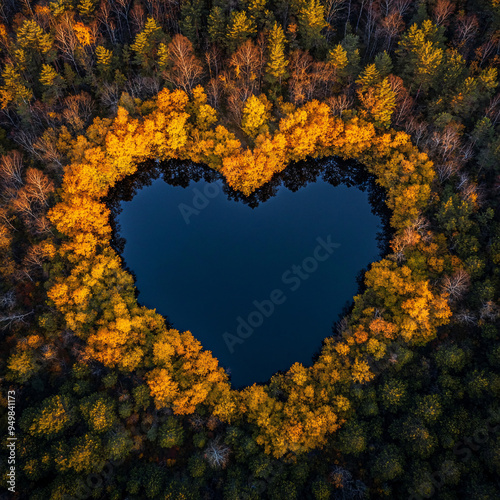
point(89, 92)
point(123, 342)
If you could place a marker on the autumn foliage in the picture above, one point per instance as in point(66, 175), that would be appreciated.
point(97, 296)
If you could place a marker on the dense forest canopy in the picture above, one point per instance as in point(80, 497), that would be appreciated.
point(104, 398)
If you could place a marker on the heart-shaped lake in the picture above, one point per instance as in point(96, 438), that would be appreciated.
point(259, 284)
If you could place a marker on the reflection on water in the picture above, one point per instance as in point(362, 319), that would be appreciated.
point(259, 280)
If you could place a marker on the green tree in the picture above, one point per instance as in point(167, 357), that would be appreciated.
point(259, 13)
point(240, 29)
point(86, 7)
point(337, 58)
point(368, 78)
point(217, 25)
point(277, 62)
point(104, 58)
point(393, 395)
point(99, 412)
point(311, 19)
point(22, 366)
point(146, 44)
point(389, 464)
point(350, 44)
point(192, 12)
point(377, 98)
point(55, 415)
point(31, 36)
point(383, 63)
point(52, 81)
point(421, 54)
point(171, 433)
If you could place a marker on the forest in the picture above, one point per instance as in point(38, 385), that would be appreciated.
point(100, 397)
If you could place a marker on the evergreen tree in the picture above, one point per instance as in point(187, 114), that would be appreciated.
point(240, 29)
point(311, 23)
point(277, 62)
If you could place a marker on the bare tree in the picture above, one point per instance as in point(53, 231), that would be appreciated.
point(105, 18)
point(38, 186)
point(138, 17)
point(467, 152)
point(403, 6)
point(409, 237)
point(66, 39)
point(46, 149)
point(196, 421)
point(34, 259)
point(333, 9)
point(340, 103)
point(445, 169)
point(42, 226)
point(110, 95)
point(421, 225)
point(466, 317)
point(404, 102)
point(493, 109)
point(165, 12)
point(143, 87)
point(389, 28)
point(213, 57)
point(217, 454)
point(8, 300)
point(11, 169)
point(342, 326)
point(416, 129)
point(78, 110)
point(442, 11)
point(300, 79)
point(246, 64)
point(469, 190)
point(445, 142)
point(237, 93)
point(186, 69)
point(6, 217)
point(489, 311)
point(466, 30)
point(26, 139)
point(9, 320)
point(457, 284)
point(121, 10)
point(22, 204)
point(215, 91)
point(486, 50)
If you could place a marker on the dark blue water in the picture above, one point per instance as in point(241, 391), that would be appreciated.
point(259, 287)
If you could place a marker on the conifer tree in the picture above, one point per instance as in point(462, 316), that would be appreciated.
point(145, 44)
point(311, 22)
point(104, 57)
point(240, 28)
point(277, 62)
point(191, 20)
point(368, 78)
point(420, 55)
point(216, 25)
point(87, 7)
point(337, 57)
point(52, 81)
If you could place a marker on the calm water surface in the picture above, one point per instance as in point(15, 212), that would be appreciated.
point(260, 287)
